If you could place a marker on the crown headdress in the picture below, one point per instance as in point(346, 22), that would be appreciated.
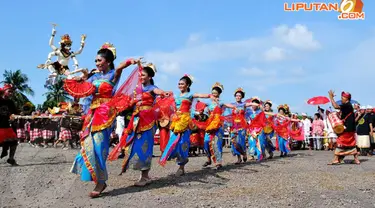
point(255, 98)
point(151, 66)
point(110, 47)
point(189, 76)
point(65, 39)
point(268, 101)
point(220, 86)
point(285, 107)
point(239, 90)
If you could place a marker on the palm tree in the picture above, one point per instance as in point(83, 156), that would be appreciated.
point(19, 81)
point(55, 95)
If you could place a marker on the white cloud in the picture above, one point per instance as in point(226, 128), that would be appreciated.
point(299, 37)
point(208, 52)
point(272, 79)
point(297, 71)
point(259, 88)
point(194, 38)
point(275, 54)
point(256, 72)
point(354, 72)
point(171, 67)
point(278, 80)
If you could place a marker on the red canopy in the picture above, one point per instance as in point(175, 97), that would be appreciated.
point(319, 100)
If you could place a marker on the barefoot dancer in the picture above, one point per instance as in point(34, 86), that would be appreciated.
point(282, 122)
point(8, 138)
point(213, 140)
point(268, 132)
point(346, 144)
point(90, 163)
point(138, 137)
point(239, 127)
point(257, 122)
point(179, 142)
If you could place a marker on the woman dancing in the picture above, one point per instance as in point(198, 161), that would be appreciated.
point(213, 140)
point(282, 122)
point(268, 132)
point(90, 163)
point(179, 142)
point(138, 137)
point(257, 123)
point(239, 127)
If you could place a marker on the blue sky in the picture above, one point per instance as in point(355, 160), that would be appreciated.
point(283, 56)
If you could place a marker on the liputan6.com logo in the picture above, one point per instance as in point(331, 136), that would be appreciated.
point(349, 9)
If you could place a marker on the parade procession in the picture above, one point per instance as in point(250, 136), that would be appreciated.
point(122, 117)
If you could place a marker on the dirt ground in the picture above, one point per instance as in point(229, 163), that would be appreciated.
point(302, 180)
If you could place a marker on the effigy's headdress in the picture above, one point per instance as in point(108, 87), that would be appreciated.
point(218, 85)
point(240, 90)
point(65, 39)
point(110, 47)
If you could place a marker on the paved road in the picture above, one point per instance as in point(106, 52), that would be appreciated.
point(302, 180)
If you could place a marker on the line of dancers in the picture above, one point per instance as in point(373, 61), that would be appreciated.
point(252, 120)
point(151, 107)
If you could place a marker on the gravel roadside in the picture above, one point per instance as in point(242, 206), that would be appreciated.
point(302, 180)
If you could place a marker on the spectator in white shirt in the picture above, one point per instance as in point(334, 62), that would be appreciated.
point(306, 128)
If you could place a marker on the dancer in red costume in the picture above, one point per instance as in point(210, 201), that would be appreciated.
point(98, 125)
point(138, 137)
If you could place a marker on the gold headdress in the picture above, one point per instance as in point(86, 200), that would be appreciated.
point(268, 102)
point(255, 98)
point(285, 107)
point(110, 47)
point(151, 66)
point(220, 86)
point(240, 90)
point(65, 39)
